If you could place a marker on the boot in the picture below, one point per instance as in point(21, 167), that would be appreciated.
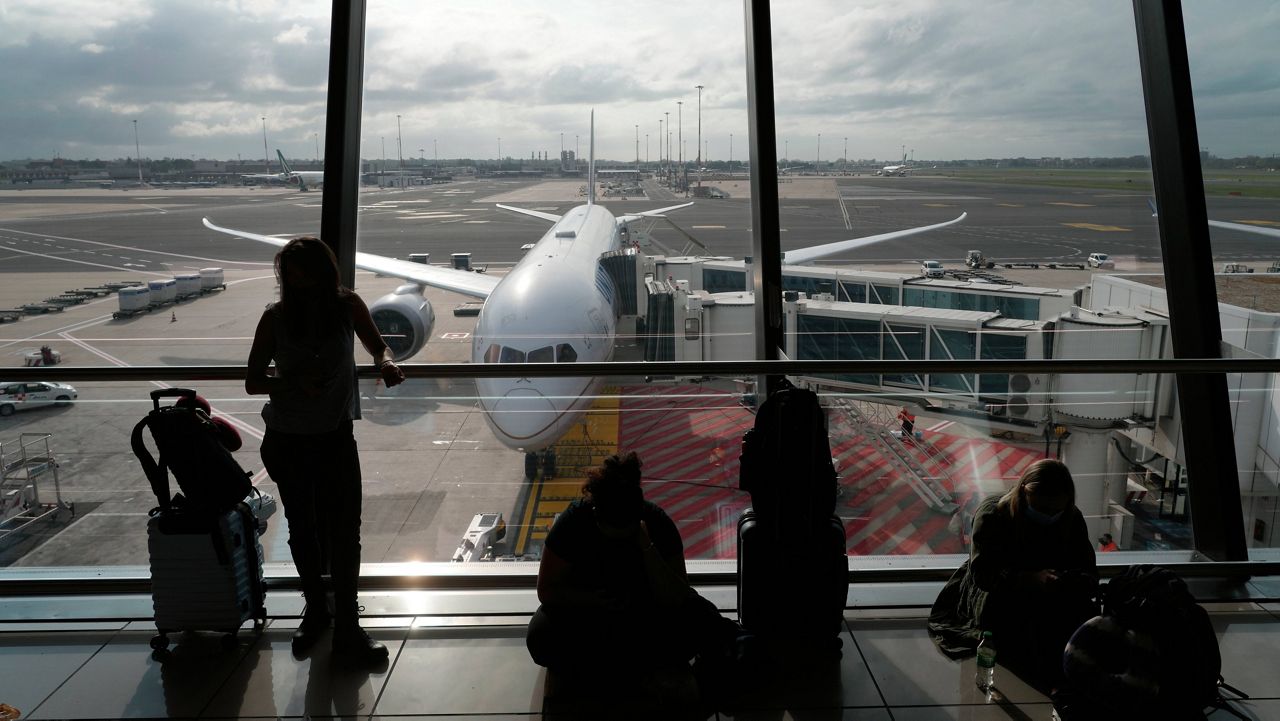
point(315, 622)
point(354, 644)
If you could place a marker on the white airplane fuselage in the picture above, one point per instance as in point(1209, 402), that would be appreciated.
point(557, 304)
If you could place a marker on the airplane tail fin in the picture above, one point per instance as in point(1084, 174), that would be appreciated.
point(591, 162)
point(284, 166)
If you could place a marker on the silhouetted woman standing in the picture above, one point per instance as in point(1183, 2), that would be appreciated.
point(309, 448)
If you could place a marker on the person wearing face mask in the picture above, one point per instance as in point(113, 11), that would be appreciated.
point(1030, 577)
point(613, 587)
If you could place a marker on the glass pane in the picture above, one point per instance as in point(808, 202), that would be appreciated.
point(124, 127)
point(1231, 57)
point(477, 162)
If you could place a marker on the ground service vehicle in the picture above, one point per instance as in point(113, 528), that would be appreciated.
point(1101, 260)
point(25, 396)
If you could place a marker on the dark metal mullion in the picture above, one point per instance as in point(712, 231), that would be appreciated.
point(1213, 486)
point(766, 235)
point(342, 134)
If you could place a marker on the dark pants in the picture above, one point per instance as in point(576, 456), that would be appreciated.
point(646, 639)
point(319, 480)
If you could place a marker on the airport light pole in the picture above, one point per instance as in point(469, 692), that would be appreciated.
point(730, 152)
point(845, 158)
point(384, 154)
point(137, 150)
point(817, 156)
point(637, 151)
point(266, 154)
point(399, 147)
point(680, 131)
point(435, 152)
point(701, 154)
point(646, 148)
point(317, 139)
point(667, 113)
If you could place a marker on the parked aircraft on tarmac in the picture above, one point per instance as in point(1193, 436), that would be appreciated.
point(304, 178)
point(557, 305)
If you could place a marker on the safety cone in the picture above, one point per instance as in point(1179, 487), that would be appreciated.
point(173, 316)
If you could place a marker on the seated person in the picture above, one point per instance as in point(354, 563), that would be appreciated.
point(1030, 578)
point(612, 584)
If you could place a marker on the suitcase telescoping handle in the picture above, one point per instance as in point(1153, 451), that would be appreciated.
point(156, 395)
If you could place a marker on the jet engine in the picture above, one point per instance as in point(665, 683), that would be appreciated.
point(405, 319)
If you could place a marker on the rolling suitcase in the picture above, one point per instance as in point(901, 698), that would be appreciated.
point(792, 590)
point(206, 573)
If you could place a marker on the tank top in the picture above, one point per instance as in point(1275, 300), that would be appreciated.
point(331, 355)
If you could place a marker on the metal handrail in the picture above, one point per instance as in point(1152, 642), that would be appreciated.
point(671, 368)
point(134, 580)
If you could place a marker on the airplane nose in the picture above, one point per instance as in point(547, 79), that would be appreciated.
point(523, 414)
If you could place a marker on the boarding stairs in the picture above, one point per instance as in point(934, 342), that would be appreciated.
point(917, 461)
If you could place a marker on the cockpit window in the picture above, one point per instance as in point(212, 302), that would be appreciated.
point(542, 355)
point(566, 354)
point(511, 355)
point(493, 354)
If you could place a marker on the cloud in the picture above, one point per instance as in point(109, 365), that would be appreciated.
point(295, 35)
point(950, 80)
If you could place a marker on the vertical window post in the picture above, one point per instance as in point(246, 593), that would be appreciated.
point(1213, 484)
point(342, 135)
point(766, 242)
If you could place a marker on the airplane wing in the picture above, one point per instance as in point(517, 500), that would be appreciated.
point(478, 285)
point(650, 213)
point(808, 255)
point(1244, 228)
point(549, 217)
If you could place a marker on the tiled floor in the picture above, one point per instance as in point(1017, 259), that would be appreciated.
point(478, 670)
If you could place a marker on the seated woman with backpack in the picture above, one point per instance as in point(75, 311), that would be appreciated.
point(1030, 578)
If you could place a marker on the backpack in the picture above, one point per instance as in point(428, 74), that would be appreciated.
point(786, 461)
point(209, 476)
point(1153, 652)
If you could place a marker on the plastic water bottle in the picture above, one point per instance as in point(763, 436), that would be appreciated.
point(986, 675)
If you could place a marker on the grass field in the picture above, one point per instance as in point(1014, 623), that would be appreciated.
point(1248, 183)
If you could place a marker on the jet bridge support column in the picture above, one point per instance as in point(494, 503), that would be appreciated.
point(1086, 455)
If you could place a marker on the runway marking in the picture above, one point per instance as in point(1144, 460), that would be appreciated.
point(85, 262)
point(844, 212)
point(245, 427)
point(440, 216)
point(938, 205)
point(1258, 222)
point(143, 250)
point(707, 227)
point(1011, 205)
point(1099, 228)
point(1070, 205)
point(475, 221)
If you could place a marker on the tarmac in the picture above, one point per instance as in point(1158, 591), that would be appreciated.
point(430, 462)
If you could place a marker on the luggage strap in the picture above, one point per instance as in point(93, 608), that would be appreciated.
point(157, 475)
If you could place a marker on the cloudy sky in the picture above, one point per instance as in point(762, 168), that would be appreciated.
point(947, 80)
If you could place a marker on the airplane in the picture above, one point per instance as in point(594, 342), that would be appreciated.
point(1242, 227)
point(556, 305)
point(287, 175)
point(900, 169)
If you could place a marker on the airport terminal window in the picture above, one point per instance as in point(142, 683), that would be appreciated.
point(999, 346)
point(903, 342)
point(826, 338)
point(952, 345)
point(853, 292)
point(884, 294)
point(722, 281)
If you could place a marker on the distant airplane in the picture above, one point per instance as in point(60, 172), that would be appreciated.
point(287, 175)
point(556, 305)
point(900, 169)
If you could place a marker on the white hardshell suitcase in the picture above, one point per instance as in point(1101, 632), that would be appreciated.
point(206, 573)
